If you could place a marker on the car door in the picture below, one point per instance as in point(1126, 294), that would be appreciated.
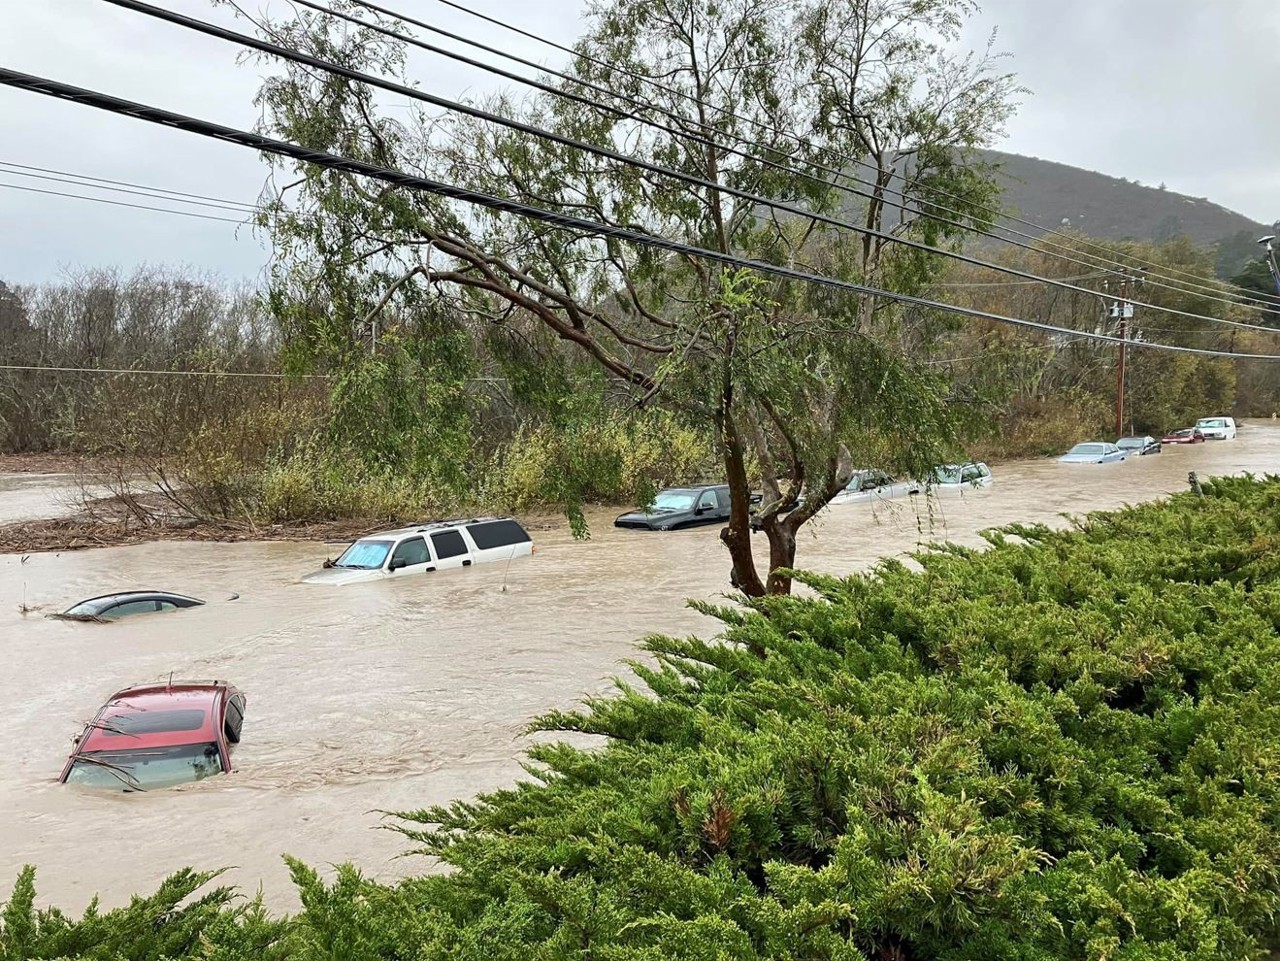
point(450, 549)
point(410, 556)
point(706, 509)
point(721, 511)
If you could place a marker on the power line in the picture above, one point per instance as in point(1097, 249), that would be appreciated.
point(166, 118)
point(760, 125)
point(74, 181)
point(126, 183)
point(153, 373)
point(121, 203)
point(919, 210)
point(296, 56)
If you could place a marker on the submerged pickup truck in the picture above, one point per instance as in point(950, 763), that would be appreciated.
point(680, 507)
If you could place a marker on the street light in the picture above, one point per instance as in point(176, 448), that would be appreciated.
point(1271, 258)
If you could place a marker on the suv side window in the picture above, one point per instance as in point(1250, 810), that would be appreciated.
point(448, 544)
point(723, 497)
point(708, 500)
point(488, 534)
point(412, 552)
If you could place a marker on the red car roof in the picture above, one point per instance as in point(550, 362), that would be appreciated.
point(158, 715)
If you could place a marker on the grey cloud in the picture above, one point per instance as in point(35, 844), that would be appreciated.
point(1178, 91)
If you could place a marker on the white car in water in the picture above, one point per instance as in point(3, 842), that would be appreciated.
point(1217, 428)
point(867, 485)
point(425, 548)
point(873, 484)
point(958, 477)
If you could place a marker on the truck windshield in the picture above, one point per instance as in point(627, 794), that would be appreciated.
point(364, 555)
point(674, 501)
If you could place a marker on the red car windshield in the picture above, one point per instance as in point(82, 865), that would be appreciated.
point(144, 769)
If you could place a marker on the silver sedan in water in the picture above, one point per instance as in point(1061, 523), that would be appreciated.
point(1093, 452)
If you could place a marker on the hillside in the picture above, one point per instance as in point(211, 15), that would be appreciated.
point(1055, 195)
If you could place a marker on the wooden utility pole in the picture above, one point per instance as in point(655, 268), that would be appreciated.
point(1122, 310)
point(1124, 351)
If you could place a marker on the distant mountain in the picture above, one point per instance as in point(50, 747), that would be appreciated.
point(1057, 196)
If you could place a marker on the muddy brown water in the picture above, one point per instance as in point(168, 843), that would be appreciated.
point(400, 694)
point(29, 497)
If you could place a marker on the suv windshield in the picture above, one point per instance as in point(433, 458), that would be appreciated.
point(145, 769)
point(364, 555)
point(674, 501)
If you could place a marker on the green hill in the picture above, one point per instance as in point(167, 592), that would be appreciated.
point(1056, 195)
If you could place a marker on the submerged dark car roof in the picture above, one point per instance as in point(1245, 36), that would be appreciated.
point(104, 601)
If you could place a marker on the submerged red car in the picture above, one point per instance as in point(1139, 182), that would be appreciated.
point(1191, 435)
point(158, 736)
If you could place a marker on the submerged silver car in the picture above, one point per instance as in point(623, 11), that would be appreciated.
point(1093, 452)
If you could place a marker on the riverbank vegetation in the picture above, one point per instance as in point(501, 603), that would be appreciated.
point(1062, 747)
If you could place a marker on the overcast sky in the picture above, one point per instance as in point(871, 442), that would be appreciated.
point(1183, 92)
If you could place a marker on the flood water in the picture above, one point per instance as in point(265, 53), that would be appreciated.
point(400, 694)
point(30, 497)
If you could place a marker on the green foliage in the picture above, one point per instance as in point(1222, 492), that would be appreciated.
point(178, 921)
point(604, 458)
point(1063, 747)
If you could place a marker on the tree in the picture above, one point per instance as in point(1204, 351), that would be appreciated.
point(790, 378)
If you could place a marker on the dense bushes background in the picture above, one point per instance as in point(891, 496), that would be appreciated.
point(1064, 747)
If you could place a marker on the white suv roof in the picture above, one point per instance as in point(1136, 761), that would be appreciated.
point(432, 526)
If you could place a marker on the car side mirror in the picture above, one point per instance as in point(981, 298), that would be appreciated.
point(397, 563)
point(700, 510)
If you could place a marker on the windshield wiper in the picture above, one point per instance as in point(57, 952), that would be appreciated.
point(115, 769)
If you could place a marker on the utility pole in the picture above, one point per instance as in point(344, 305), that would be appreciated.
point(1122, 311)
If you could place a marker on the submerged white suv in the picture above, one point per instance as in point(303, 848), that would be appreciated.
point(1217, 428)
point(424, 548)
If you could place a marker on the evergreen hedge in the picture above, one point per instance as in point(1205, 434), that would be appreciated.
point(1066, 746)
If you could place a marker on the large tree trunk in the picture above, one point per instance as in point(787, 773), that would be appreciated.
point(737, 536)
point(782, 554)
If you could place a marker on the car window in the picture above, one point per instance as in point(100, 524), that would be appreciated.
point(448, 544)
point(489, 534)
point(722, 495)
point(412, 552)
point(166, 606)
point(152, 722)
point(708, 500)
point(674, 501)
point(146, 769)
point(89, 608)
point(970, 474)
point(129, 607)
point(364, 555)
point(235, 717)
point(1088, 449)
